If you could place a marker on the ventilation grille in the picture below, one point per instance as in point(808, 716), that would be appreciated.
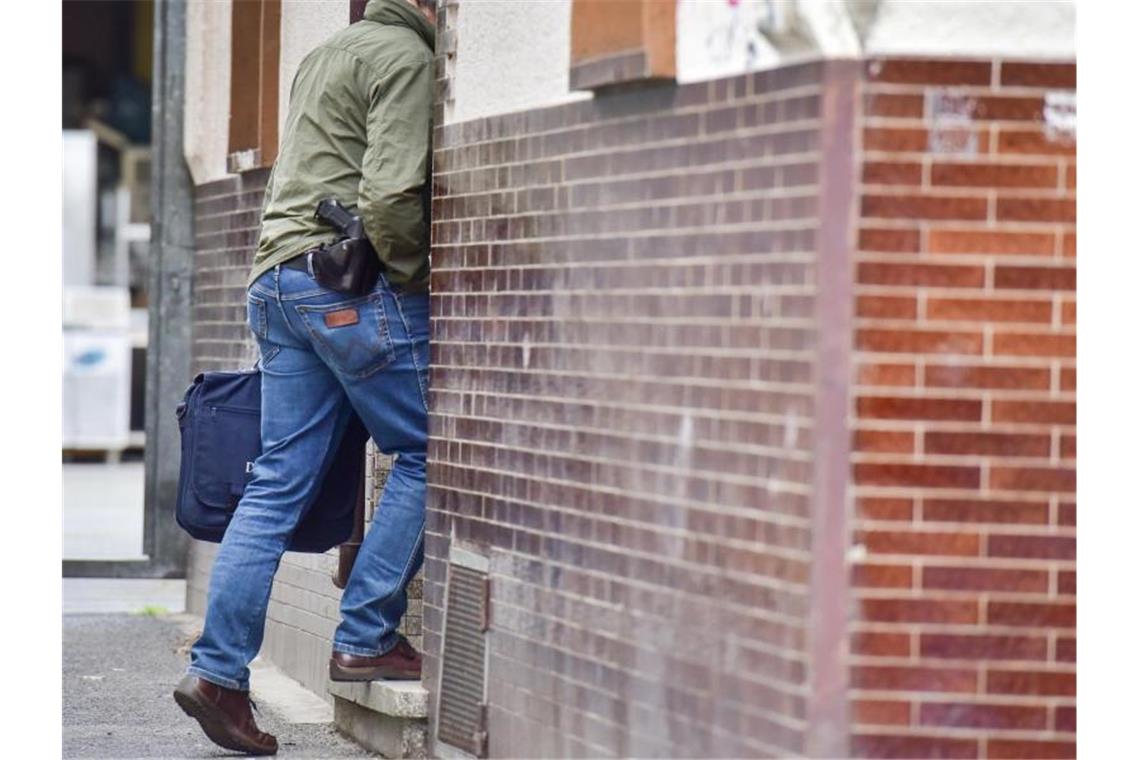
point(462, 719)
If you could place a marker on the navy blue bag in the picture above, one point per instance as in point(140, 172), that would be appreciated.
point(220, 423)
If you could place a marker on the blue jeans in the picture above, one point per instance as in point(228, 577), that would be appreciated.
point(324, 354)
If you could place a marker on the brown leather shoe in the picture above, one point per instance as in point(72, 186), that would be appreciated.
point(224, 715)
point(401, 662)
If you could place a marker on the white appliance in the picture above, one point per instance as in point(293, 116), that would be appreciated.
point(96, 389)
point(96, 368)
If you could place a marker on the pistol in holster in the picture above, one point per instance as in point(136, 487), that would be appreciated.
point(350, 264)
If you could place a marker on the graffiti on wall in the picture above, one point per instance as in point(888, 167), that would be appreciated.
point(718, 38)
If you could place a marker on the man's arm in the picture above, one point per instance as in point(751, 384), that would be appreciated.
point(395, 166)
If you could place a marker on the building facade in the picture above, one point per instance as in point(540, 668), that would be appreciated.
point(753, 386)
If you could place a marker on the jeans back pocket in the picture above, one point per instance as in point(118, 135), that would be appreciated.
point(352, 336)
point(257, 317)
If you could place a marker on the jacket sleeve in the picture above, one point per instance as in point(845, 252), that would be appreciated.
point(394, 171)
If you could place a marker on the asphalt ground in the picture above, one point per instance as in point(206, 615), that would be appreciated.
point(118, 675)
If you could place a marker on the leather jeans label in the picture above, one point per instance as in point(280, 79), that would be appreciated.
point(342, 318)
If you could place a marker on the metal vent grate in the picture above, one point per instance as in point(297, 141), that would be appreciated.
point(463, 673)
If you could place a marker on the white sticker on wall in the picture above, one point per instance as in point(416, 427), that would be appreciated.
point(951, 116)
point(1060, 114)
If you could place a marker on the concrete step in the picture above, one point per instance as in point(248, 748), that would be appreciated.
point(389, 717)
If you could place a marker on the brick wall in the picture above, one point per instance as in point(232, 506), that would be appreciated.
point(642, 412)
point(304, 605)
point(964, 410)
point(623, 413)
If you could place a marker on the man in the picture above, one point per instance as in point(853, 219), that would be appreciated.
point(359, 130)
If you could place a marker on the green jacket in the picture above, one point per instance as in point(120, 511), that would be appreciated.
point(359, 130)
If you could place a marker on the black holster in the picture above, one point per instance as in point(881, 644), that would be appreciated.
point(348, 266)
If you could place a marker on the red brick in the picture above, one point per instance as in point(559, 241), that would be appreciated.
point(916, 206)
point(907, 140)
point(888, 240)
point(906, 408)
point(894, 105)
point(1066, 513)
point(984, 579)
point(992, 175)
point(989, 310)
point(1032, 614)
point(1034, 140)
point(1054, 76)
point(1002, 378)
point(880, 712)
point(929, 72)
point(982, 511)
point(1034, 479)
point(896, 441)
point(1065, 718)
point(1066, 582)
point(865, 575)
point(1041, 683)
point(893, 173)
point(953, 646)
point(1068, 446)
point(934, 275)
point(1069, 245)
point(925, 543)
point(1066, 649)
point(991, 242)
point(884, 508)
point(887, 307)
point(1068, 312)
point(886, 374)
point(1041, 412)
point(878, 644)
point(1008, 108)
point(968, 715)
point(1031, 547)
point(1035, 344)
point(917, 475)
point(1019, 749)
point(912, 678)
point(947, 611)
point(1036, 210)
point(987, 444)
point(910, 746)
point(1068, 378)
point(919, 341)
point(1070, 176)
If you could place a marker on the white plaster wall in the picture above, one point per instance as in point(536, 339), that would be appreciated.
point(304, 25)
point(718, 38)
point(510, 56)
point(207, 98)
point(975, 28)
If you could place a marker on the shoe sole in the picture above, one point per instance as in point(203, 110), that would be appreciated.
point(342, 674)
point(212, 727)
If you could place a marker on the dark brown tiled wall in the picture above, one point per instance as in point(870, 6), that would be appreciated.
point(623, 413)
point(227, 218)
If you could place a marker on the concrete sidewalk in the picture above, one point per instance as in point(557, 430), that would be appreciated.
point(118, 675)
